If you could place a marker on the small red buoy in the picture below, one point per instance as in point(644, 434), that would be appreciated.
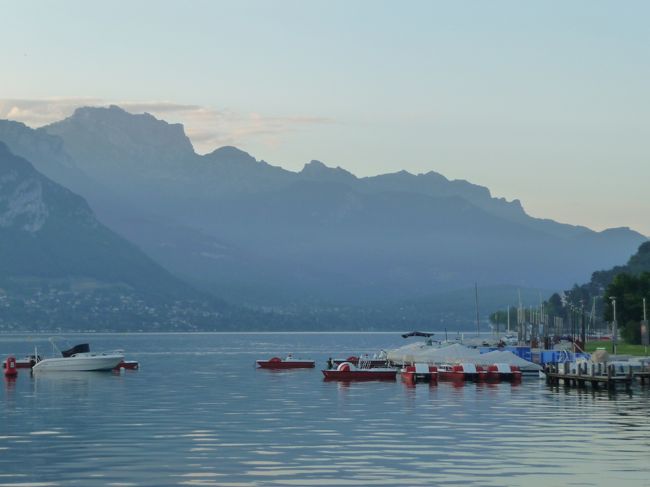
point(10, 367)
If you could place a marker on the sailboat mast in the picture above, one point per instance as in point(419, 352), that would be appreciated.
point(477, 318)
point(592, 318)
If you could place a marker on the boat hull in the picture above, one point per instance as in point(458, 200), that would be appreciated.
point(25, 363)
point(419, 373)
point(267, 364)
point(79, 363)
point(128, 365)
point(461, 376)
point(413, 377)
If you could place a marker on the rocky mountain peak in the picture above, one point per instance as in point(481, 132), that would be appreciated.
point(141, 134)
point(109, 143)
point(230, 154)
point(316, 170)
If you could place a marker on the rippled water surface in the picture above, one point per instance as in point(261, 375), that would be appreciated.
point(199, 413)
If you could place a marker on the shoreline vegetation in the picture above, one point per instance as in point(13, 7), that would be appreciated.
point(622, 348)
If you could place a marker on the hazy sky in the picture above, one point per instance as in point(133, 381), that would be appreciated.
point(547, 101)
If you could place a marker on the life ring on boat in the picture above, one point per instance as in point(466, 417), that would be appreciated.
point(343, 367)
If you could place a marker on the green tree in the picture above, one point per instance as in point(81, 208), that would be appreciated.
point(554, 306)
point(501, 317)
point(629, 291)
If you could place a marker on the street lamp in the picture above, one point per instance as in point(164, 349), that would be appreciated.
point(645, 337)
point(614, 326)
point(583, 337)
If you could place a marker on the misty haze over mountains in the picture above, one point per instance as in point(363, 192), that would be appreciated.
point(260, 236)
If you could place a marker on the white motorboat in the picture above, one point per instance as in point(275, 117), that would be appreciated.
point(79, 359)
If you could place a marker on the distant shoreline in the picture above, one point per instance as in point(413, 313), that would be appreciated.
point(384, 332)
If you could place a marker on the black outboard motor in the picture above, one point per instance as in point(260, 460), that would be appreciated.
point(83, 348)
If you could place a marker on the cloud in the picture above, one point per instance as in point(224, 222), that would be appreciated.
point(37, 112)
point(207, 127)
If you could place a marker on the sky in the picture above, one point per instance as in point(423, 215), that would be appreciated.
point(546, 102)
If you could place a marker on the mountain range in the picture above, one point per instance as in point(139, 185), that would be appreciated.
point(262, 237)
point(61, 267)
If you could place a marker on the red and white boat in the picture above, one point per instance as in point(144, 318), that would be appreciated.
point(419, 373)
point(461, 372)
point(25, 362)
point(128, 365)
point(503, 373)
point(287, 363)
point(349, 372)
point(379, 360)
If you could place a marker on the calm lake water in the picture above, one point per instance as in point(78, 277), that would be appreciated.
point(199, 413)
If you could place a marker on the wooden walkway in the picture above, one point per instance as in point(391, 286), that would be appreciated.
point(593, 374)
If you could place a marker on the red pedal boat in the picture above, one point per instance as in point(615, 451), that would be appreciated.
point(461, 372)
point(348, 372)
point(24, 363)
point(287, 363)
point(374, 362)
point(128, 365)
point(503, 372)
point(419, 373)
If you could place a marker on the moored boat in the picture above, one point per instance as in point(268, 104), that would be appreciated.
point(287, 363)
point(80, 359)
point(128, 365)
point(464, 372)
point(419, 373)
point(373, 362)
point(25, 362)
point(349, 372)
point(364, 361)
point(86, 361)
point(503, 373)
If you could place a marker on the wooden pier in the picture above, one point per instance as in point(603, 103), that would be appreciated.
point(643, 376)
point(596, 375)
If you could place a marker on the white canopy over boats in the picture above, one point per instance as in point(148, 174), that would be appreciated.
point(457, 353)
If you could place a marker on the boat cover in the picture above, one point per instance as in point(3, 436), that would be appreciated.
point(455, 354)
point(503, 368)
point(469, 368)
point(421, 368)
point(81, 348)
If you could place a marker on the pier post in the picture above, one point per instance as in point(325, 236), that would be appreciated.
point(579, 382)
point(609, 376)
point(628, 382)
